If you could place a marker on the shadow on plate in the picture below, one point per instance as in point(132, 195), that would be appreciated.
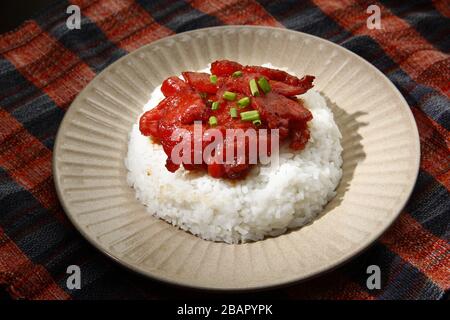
point(352, 154)
point(353, 151)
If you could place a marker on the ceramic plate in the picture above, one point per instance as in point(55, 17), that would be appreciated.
point(381, 160)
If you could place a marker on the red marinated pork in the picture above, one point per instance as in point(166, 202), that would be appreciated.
point(200, 98)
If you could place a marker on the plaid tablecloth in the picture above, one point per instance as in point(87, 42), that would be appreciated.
point(44, 65)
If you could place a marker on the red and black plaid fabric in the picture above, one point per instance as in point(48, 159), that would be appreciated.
point(44, 65)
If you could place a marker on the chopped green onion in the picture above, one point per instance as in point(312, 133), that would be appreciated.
point(254, 88)
point(233, 112)
point(228, 95)
point(237, 74)
point(257, 122)
point(212, 121)
point(250, 115)
point(215, 105)
point(213, 78)
point(243, 102)
point(264, 84)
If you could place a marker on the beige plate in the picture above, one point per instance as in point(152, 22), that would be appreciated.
point(381, 161)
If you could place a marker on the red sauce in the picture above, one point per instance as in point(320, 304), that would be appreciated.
point(190, 100)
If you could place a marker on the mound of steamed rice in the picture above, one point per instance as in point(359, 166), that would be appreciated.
point(269, 201)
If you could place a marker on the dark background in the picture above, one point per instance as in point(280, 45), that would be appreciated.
point(13, 13)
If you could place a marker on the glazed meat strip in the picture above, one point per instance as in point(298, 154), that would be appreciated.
point(232, 97)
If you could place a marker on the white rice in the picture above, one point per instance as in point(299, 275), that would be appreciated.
point(269, 201)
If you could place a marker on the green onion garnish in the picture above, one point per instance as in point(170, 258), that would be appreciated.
point(264, 84)
point(237, 74)
point(250, 115)
point(215, 105)
point(212, 121)
point(213, 78)
point(257, 122)
point(228, 95)
point(243, 102)
point(233, 112)
point(254, 88)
